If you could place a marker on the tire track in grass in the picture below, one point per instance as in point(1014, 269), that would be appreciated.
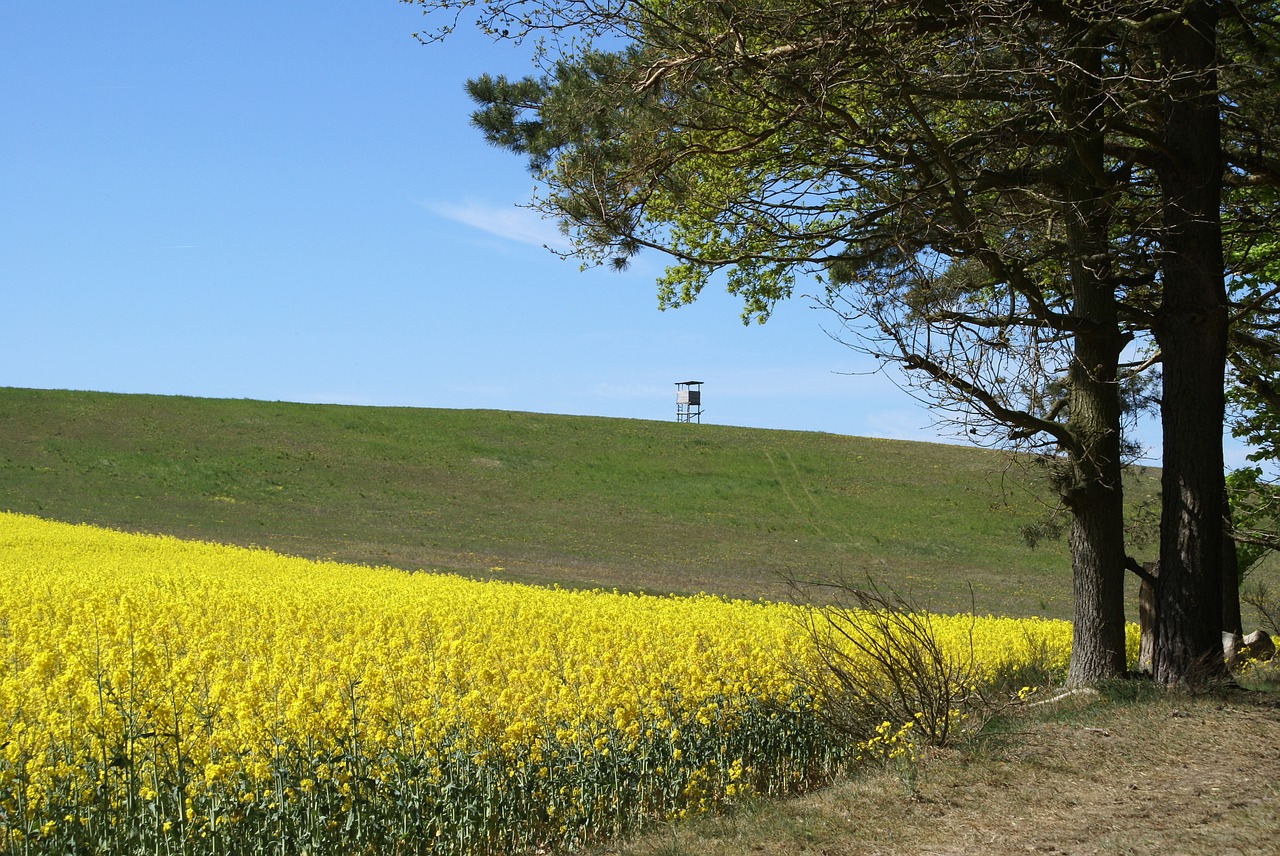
point(811, 514)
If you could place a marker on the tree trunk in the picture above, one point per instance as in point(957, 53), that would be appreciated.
point(1191, 330)
point(1094, 491)
point(1096, 499)
point(1098, 631)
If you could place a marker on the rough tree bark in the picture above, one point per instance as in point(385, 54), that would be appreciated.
point(1094, 492)
point(1097, 531)
point(1192, 332)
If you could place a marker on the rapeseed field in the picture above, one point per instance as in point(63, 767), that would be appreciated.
point(168, 696)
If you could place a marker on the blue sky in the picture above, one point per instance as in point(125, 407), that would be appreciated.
point(285, 201)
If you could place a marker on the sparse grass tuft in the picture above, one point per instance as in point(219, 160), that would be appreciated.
point(1135, 690)
point(1263, 677)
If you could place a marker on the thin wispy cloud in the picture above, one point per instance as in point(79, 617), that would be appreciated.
point(505, 221)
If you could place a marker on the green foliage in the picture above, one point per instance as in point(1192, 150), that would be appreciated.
point(500, 119)
point(1255, 516)
point(1255, 350)
point(1253, 392)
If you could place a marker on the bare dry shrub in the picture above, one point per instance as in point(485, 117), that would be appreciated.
point(1267, 604)
point(877, 659)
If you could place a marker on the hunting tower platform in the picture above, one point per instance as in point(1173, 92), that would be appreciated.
point(689, 401)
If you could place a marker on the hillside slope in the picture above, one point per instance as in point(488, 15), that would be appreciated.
point(579, 501)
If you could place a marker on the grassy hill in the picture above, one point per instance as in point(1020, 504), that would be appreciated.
point(579, 501)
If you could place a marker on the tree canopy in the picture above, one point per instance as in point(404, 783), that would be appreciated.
point(1011, 196)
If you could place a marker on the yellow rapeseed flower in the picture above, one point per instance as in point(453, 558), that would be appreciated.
point(139, 667)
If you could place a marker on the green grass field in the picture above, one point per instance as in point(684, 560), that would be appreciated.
point(578, 501)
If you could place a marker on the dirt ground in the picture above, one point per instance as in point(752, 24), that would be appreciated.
point(1198, 777)
point(1168, 774)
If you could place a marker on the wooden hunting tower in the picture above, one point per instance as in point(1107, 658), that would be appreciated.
point(689, 401)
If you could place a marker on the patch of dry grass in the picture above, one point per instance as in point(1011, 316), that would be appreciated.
point(1166, 773)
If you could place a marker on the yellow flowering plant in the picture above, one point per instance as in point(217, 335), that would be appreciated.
point(160, 695)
